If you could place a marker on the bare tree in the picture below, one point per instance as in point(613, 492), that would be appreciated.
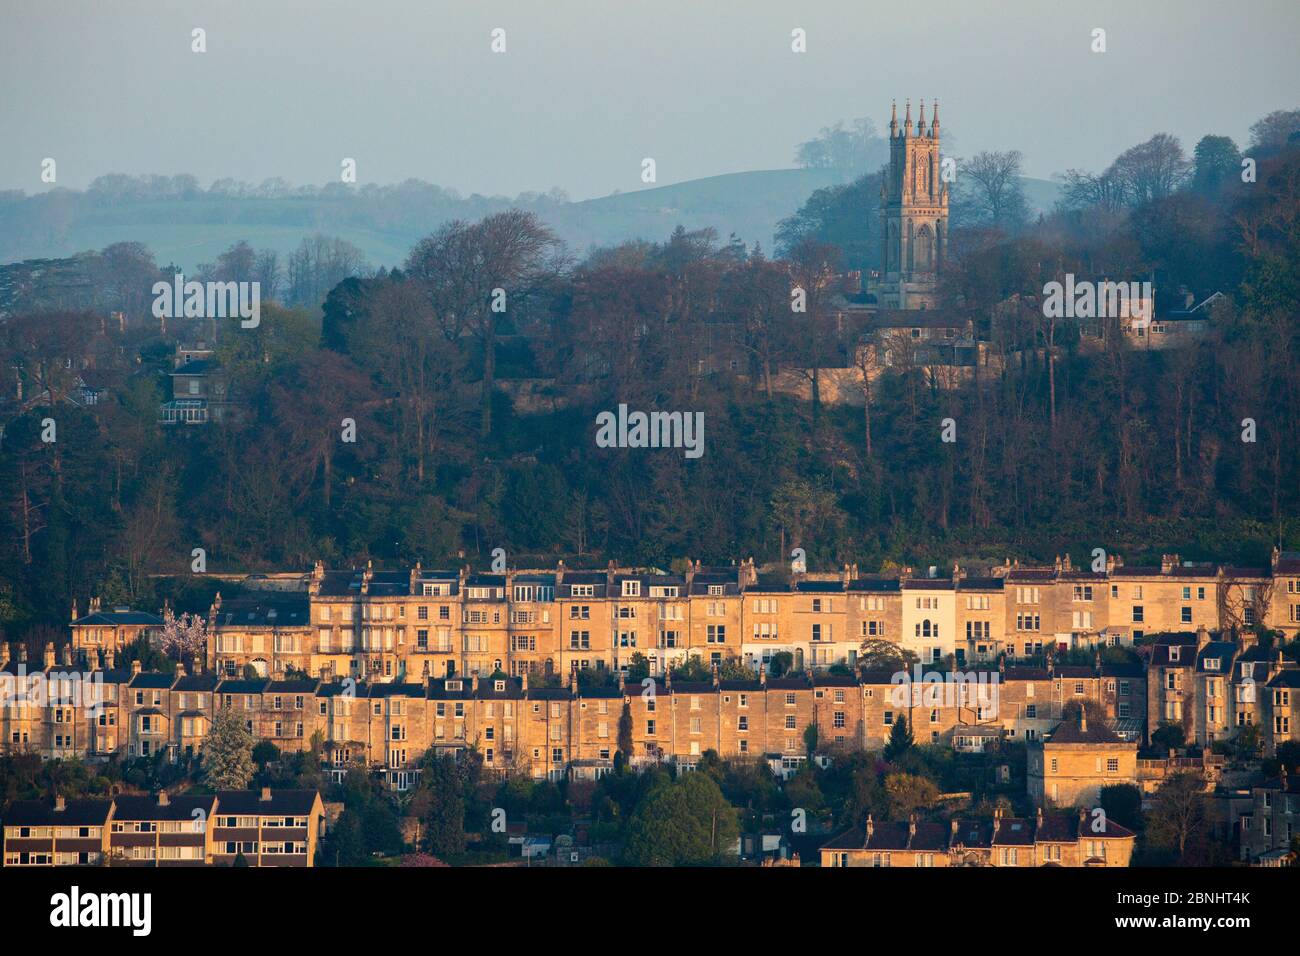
point(1152, 170)
point(474, 272)
point(989, 186)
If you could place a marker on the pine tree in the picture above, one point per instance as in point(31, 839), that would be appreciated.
point(900, 739)
point(625, 732)
point(228, 752)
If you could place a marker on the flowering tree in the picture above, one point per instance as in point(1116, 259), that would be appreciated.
point(182, 637)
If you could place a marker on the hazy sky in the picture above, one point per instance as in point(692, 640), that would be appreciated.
point(586, 89)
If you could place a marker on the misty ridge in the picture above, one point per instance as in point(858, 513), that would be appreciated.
point(190, 225)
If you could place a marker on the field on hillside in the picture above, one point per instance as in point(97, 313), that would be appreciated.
point(193, 231)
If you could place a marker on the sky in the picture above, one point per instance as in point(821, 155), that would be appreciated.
point(586, 89)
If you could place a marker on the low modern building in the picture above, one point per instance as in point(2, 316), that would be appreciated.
point(266, 828)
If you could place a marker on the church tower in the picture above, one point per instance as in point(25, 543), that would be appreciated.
point(913, 214)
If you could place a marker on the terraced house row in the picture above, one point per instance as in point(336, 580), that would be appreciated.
point(417, 624)
point(270, 828)
point(548, 731)
point(544, 731)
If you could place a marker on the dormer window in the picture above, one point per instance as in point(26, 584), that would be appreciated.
point(1174, 651)
point(631, 589)
point(1211, 663)
point(499, 686)
point(454, 685)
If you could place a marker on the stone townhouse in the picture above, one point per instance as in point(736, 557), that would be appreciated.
point(342, 718)
point(586, 621)
point(653, 616)
point(1171, 683)
point(981, 617)
point(1270, 827)
point(269, 635)
point(930, 619)
point(1283, 694)
point(193, 707)
point(534, 625)
point(1173, 597)
point(875, 609)
point(1046, 840)
point(402, 728)
point(714, 616)
point(1214, 688)
point(1284, 593)
point(270, 828)
point(767, 610)
point(1211, 711)
point(148, 708)
point(1072, 766)
point(1031, 598)
point(101, 631)
point(819, 620)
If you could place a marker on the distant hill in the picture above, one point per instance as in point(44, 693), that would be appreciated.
point(385, 223)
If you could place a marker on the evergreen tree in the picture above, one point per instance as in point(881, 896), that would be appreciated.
point(900, 739)
point(444, 816)
point(228, 752)
point(625, 732)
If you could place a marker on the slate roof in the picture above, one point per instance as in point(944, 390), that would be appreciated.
point(196, 682)
point(250, 802)
point(272, 609)
point(116, 618)
point(152, 680)
point(1074, 732)
point(86, 812)
point(178, 807)
point(234, 686)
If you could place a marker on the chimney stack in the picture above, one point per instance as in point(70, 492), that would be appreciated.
point(266, 795)
point(136, 667)
point(60, 804)
point(163, 799)
point(49, 656)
